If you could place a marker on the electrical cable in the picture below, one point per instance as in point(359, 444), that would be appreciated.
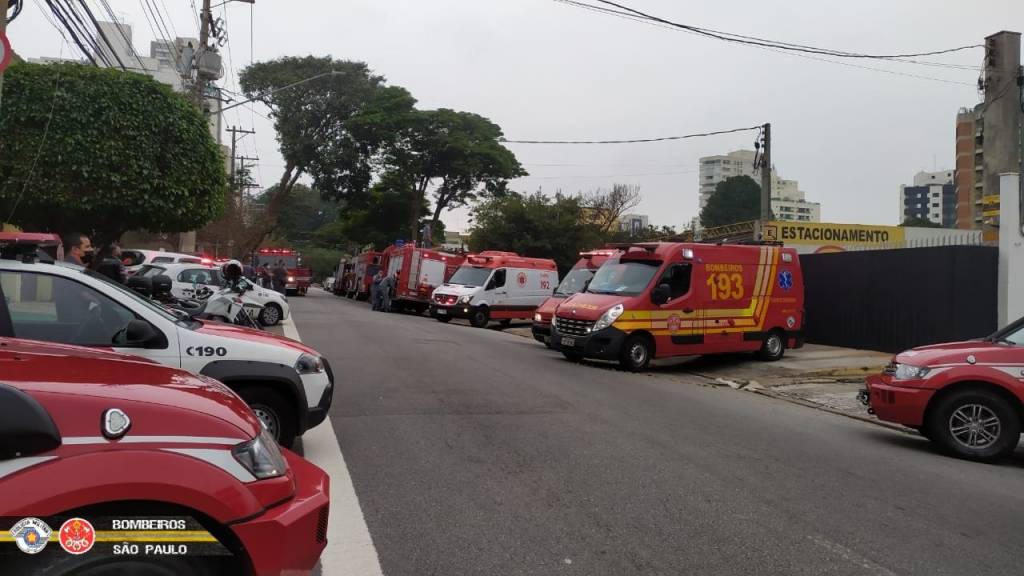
point(633, 141)
point(127, 41)
point(78, 29)
point(754, 40)
point(103, 35)
point(59, 15)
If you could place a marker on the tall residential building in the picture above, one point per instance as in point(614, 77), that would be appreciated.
point(969, 178)
point(932, 197)
point(788, 201)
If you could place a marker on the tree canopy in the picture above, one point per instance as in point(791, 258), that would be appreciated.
point(736, 199)
point(103, 151)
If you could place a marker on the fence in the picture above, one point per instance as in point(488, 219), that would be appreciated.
point(892, 300)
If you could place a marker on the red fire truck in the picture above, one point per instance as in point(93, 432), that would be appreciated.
point(299, 276)
point(360, 278)
point(418, 271)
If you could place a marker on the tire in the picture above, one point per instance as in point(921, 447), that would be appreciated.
point(271, 315)
point(574, 357)
point(974, 424)
point(274, 411)
point(773, 347)
point(636, 353)
point(480, 318)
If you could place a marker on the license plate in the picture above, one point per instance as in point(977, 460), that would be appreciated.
point(441, 311)
point(568, 342)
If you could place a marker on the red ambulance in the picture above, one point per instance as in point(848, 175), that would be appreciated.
point(657, 300)
point(418, 271)
point(495, 286)
point(574, 282)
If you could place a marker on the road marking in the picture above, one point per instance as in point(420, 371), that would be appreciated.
point(851, 556)
point(350, 550)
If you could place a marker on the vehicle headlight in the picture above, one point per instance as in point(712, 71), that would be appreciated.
point(554, 319)
point(537, 318)
point(465, 299)
point(261, 456)
point(609, 317)
point(309, 364)
point(291, 278)
point(908, 372)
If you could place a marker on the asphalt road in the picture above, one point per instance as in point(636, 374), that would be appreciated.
point(478, 452)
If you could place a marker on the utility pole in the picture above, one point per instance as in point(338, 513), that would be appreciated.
point(766, 175)
point(234, 142)
point(1001, 115)
point(199, 90)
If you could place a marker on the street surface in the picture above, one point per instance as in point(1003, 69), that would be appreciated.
point(478, 452)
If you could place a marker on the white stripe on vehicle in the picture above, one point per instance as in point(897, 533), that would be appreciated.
point(80, 440)
point(9, 467)
point(222, 459)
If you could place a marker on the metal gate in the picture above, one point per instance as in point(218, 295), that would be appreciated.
point(892, 300)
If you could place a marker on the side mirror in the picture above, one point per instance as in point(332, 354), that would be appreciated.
point(141, 334)
point(661, 294)
point(26, 428)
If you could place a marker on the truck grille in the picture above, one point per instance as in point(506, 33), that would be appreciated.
point(890, 369)
point(574, 327)
point(446, 299)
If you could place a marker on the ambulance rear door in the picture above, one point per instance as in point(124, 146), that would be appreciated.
point(731, 291)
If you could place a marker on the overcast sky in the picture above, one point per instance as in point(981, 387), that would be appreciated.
point(546, 70)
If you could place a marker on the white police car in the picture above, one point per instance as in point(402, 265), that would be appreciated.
point(289, 385)
point(185, 278)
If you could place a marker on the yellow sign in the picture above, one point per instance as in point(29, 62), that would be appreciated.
point(836, 234)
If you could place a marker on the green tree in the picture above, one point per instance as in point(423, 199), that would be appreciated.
point(535, 225)
point(918, 222)
point(459, 154)
point(385, 216)
point(333, 127)
point(306, 212)
point(104, 152)
point(736, 199)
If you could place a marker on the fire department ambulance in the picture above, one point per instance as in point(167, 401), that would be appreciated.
point(288, 384)
point(575, 281)
point(657, 300)
point(418, 271)
point(495, 286)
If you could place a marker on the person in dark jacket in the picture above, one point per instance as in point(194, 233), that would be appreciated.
point(77, 248)
point(376, 291)
point(280, 277)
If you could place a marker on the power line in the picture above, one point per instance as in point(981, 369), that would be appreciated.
point(58, 13)
point(76, 26)
point(103, 35)
point(127, 41)
point(754, 40)
point(634, 141)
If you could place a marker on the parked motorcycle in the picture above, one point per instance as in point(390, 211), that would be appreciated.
point(225, 305)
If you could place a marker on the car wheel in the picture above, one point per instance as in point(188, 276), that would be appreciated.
point(773, 347)
point(270, 315)
point(480, 318)
point(574, 357)
point(636, 353)
point(974, 424)
point(274, 412)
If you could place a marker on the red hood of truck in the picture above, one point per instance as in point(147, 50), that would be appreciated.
point(547, 308)
point(589, 307)
point(957, 353)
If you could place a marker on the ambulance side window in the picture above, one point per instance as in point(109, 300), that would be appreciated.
point(498, 280)
point(677, 277)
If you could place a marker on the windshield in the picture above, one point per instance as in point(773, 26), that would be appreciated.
point(132, 295)
point(148, 271)
point(290, 261)
point(625, 278)
point(1012, 334)
point(574, 282)
point(471, 276)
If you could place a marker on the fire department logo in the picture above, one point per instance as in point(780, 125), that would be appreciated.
point(673, 323)
point(77, 536)
point(31, 535)
point(521, 278)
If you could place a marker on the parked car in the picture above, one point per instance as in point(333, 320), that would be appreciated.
point(135, 259)
point(495, 286)
point(664, 299)
point(288, 384)
point(966, 397)
point(92, 435)
point(186, 278)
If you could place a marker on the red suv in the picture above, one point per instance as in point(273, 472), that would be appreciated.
point(126, 444)
point(967, 397)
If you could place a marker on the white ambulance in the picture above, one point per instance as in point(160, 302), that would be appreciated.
point(495, 286)
point(288, 384)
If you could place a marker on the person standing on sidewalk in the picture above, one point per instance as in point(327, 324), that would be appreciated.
point(387, 289)
point(375, 290)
